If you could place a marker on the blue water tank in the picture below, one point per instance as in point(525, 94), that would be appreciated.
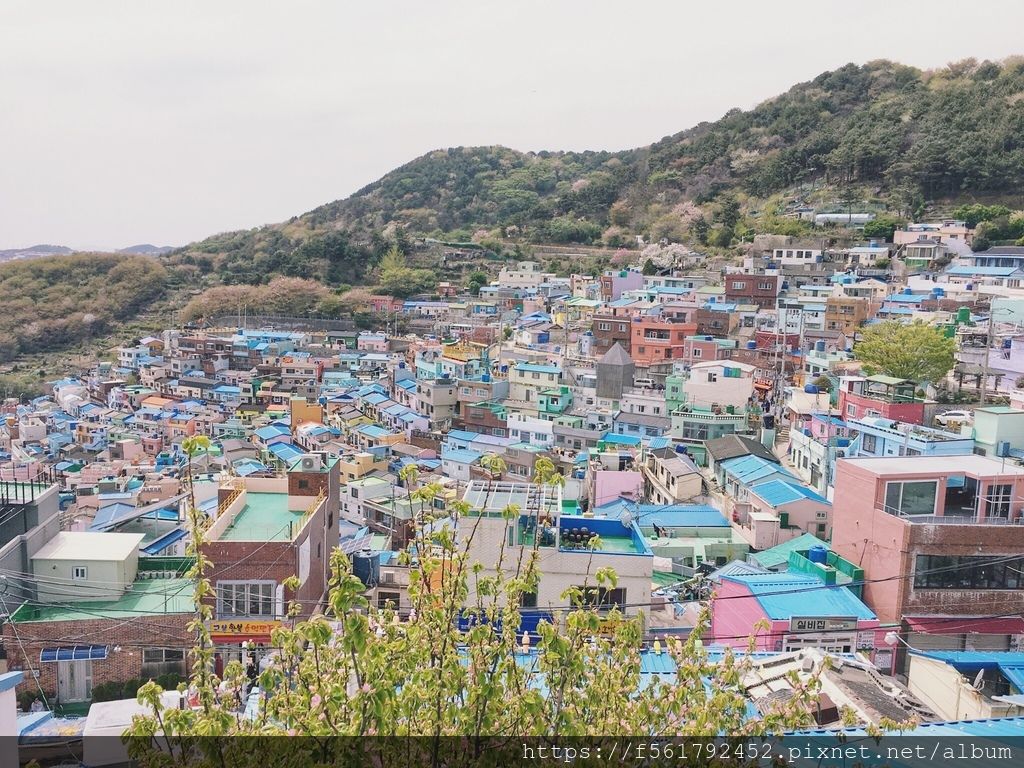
point(751, 345)
point(681, 449)
point(818, 554)
point(366, 567)
point(1007, 343)
point(709, 338)
point(485, 378)
point(819, 346)
point(811, 389)
point(401, 365)
point(970, 286)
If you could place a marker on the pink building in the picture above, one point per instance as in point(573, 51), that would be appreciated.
point(883, 396)
point(801, 612)
point(372, 342)
point(939, 539)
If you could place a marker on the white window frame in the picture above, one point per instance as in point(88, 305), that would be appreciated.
point(79, 572)
point(223, 609)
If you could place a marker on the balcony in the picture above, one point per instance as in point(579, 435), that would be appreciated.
point(1014, 515)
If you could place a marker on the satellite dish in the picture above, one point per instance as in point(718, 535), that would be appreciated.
point(979, 680)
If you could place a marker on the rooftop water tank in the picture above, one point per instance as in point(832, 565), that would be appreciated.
point(485, 378)
point(907, 291)
point(819, 346)
point(709, 338)
point(1007, 343)
point(366, 567)
point(818, 554)
point(811, 389)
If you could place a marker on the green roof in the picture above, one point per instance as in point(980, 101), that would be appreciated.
point(891, 380)
point(776, 556)
point(145, 598)
point(265, 517)
point(664, 579)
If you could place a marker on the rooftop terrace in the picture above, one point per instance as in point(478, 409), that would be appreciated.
point(265, 517)
point(145, 598)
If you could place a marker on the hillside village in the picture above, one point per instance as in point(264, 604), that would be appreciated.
point(709, 434)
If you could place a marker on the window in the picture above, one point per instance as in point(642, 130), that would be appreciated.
point(997, 500)
point(604, 326)
point(712, 377)
point(739, 286)
point(602, 597)
point(764, 286)
point(245, 598)
point(622, 327)
point(851, 409)
point(967, 572)
point(528, 600)
point(869, 443)
point(162, 661)
point(387, 599)
point(913, 497)
point(79, 573)
point(536, 375)
point(696, 353)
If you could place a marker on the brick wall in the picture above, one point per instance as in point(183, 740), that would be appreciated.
point(163, 631)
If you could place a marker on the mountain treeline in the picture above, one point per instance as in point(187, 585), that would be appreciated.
point(53, 302)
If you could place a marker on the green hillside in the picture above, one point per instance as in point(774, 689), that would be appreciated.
point(882, 135)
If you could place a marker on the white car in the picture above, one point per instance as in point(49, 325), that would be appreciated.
point(961, 417)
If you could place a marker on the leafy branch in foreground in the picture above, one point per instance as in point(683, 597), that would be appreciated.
point(452, 670)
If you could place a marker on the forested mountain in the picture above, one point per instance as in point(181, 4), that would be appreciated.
point(883, 131)
point(51, 302)
point(883, 136)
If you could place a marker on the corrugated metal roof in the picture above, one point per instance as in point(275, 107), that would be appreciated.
point(784, 595)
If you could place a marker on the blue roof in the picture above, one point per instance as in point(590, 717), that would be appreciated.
point(165, 541)
point(373, 430)
point(271, 431)
point(784, 595)
point(750, 469)
point(285, 451)
point(995, 727)
point(982, 271)
point(460, 455)
point(669, 516)
point(615, 439)
point(460, 434)
point(908, 298)
point(1009, 663)
point(781, 492)
point(535, 368)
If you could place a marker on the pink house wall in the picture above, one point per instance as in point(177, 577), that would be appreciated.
point(733, 619)
point(610, 485)
point(912, 413)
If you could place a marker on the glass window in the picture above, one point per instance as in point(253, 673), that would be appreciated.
point(968, 572)
point(869, 443)
point(911, 498)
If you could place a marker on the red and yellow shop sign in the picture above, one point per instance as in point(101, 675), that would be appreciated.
point(238, 630)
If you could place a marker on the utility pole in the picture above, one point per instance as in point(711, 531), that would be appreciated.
point(988, 347)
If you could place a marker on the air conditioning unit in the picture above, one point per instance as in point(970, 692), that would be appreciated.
point(311, 463)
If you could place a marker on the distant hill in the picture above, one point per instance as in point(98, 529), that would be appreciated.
point(882, 135)
point(34, 251)
point(145, 249)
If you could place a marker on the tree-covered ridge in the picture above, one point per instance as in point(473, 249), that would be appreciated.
point(52, 302)
point(886, 130)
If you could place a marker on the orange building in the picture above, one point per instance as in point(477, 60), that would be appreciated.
point(656, 338)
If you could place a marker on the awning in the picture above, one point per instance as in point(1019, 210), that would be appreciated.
point(165, 541)
point(959, 625)
point(73, 653)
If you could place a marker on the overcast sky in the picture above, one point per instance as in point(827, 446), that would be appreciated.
point(131, 122)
